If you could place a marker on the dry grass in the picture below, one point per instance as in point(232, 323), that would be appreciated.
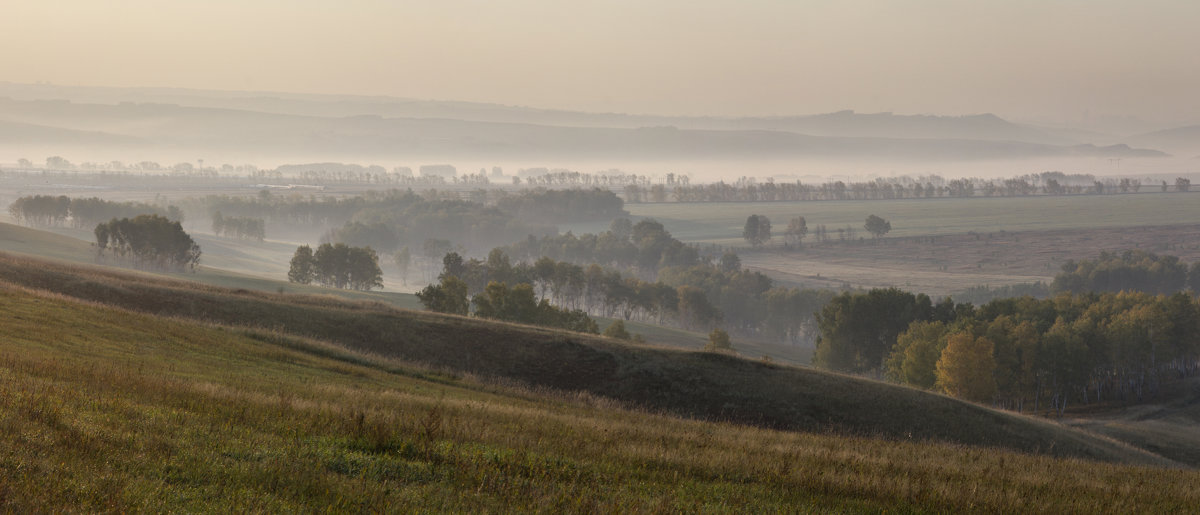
point(108, 410)
point(690, 384)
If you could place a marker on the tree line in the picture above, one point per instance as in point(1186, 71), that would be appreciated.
point(640, 249)
point(336, 266)
point(707, 291)
point(1017, 353)
point(749, 189)
point(698, 296)
point(498, 300)
point(240, 227)
point(390, 220)
point(1128, 271)
point(150, 241)
point(757, 231)
point(51, 211)
point(568, 205)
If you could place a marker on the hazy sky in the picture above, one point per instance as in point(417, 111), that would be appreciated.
point(1047, 60)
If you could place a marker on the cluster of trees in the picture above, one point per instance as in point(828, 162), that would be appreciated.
point(240, 227)
point(518, 304)
point(757, 231)
point(1129, 271)
point(150, 241)
point(337, 266)
point(748, 189)
point(697, 296)
point(411, 220)
point(499, 300)
point(1017, 352)
point(384, 220)
point(44, 210)
point(668, 282)
point(644, 248)
point(49, 210)
point(570, 205)
point(293, 210)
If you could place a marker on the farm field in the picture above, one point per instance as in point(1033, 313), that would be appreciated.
point(116, 410)
point(722, 222)
point(944, 265)
point(943, 246)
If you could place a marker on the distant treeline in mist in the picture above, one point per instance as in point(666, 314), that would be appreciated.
point(52, 211)
point(747, 189)
point(392, 219)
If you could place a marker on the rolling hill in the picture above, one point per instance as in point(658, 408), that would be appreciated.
point(689, 384)
point(107, 407)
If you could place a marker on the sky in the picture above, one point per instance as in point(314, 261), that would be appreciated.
point(1065, 62)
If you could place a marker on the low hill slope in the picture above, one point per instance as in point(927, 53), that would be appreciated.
point(690, 384)
point(65, 245)
point(1167, 428)
point(104, 409)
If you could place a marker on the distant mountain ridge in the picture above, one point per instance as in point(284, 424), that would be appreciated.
point(1182, 140)
point(347, 127)
point(846, 123)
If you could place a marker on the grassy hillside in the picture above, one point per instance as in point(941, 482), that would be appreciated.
point(684, 339)
point(1165, 428)
point(104, 409)
point(690, 384)
point(35, 242)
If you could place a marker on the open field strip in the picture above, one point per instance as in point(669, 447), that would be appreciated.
point(722, 222)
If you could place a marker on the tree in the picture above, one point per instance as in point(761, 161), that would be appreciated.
point(617, 330)
point(877, 226)
point(967, 368)
point(450, 296)
point(58, 163)
point(718, 340)
point(341, 266)
point(365, 274)
point(858, 330)
point(913, 359)
point(452, 265)
point(1182, 183)
point(796, 231)
point(302, 269)
point(150, 241)
point(403, 259)
point(730, 262)
point(622, 228)
point(694, 307)
point(757, 230)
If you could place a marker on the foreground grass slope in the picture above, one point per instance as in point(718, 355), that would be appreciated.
point(689, 384)
point(105, 409)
